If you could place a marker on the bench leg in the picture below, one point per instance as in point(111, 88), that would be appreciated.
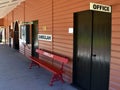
point(32, 64)
point(53, 79)
point(56, 77)
point(61, 78)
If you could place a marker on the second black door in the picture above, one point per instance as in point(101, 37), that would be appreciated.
point(92, 41)
point(16, 36)
point(34, 38)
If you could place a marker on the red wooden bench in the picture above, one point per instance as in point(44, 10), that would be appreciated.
point(57, 72)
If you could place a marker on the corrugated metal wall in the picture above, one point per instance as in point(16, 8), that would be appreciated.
point(57, 16)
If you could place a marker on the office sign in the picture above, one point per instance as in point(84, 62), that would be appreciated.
point(44, 37)
point(100, 7)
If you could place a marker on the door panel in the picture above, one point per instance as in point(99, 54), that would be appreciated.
point(34, 38)
point(101, 51)
point(16, 36)
point(83, 27)
point(92, 41)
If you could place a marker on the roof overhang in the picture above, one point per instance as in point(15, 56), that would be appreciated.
point(8, 5)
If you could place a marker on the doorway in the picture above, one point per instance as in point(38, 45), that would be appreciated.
point(1, 35)
point(34, 38)
point(16, 36)
point(92, 46)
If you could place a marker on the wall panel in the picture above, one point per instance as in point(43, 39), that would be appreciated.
point(19, 13)
point(1, 22)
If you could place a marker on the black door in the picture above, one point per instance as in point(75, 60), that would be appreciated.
point(82, 50)
point(16, 37)
point(1, 36)
point(101, 50)
point(34, 38)
point(92, 36)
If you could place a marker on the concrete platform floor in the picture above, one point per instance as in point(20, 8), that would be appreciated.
point(15, 74)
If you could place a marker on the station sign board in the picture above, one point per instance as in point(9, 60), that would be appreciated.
point(45, 37)
point(100, 7)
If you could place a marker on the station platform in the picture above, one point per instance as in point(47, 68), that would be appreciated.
point(16, 75)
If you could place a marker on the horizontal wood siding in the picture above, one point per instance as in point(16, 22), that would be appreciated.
point(40, 10)
point(6, 22)
point(10, 18)
point(115, 53)
point(1, 22)
point(57, 17)
point(63, 12)
point(19, 13)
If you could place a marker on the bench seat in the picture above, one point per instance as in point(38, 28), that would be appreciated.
point(57, 71)
point(46, 65)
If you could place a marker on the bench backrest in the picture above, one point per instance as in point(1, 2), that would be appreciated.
point(53, 56)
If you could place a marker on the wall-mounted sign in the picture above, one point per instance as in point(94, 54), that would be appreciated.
point(70, 30)
point(45, 37)
point(44, 28)
point(27, 22)
point(100, 7)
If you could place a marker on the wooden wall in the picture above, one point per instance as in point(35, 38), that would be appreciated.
point(1, 22)
point(57, 16)
point(115, 50)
